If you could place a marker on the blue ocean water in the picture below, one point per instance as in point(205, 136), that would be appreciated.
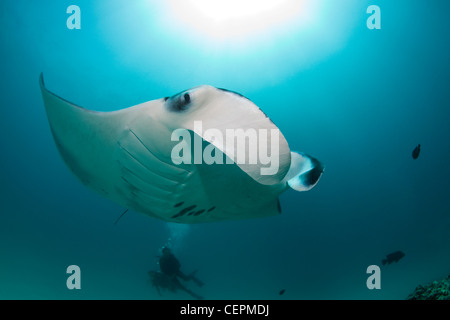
point(360, 100)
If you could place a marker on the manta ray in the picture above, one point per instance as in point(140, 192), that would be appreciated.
point(127, 156)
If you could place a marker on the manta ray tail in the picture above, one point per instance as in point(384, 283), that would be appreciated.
point(304, 172)
point(117, 220)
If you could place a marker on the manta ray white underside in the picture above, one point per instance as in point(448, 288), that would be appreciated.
point(125, 156)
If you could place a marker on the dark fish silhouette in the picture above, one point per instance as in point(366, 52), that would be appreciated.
point(416, 152)
point(393, 257)
point(282, 292)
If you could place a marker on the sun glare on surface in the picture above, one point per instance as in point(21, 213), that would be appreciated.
point(224, 19)
point(222, 11)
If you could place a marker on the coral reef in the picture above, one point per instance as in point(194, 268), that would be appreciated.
point(437, 290)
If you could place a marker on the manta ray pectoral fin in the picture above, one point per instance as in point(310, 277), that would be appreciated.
point(304, 173)
point(70, 127)
point(238, 128)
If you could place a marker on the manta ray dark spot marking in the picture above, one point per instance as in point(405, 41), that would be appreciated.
point(178, 204)
point(184, 211)
point(199, 212)
point(211, 209)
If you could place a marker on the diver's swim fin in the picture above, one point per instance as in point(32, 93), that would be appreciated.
point(193, 278)
point(193, 294)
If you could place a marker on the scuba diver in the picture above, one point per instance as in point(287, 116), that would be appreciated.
point(170, 272)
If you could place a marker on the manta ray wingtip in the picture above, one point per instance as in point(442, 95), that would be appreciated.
point(41, 80)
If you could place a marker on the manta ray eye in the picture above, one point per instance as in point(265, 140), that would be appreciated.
point(179, 102)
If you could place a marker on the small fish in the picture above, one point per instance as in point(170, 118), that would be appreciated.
point(393, 257)
point(281, 292)
point(416, 152)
